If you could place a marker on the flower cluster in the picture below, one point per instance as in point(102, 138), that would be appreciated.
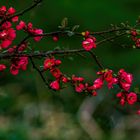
point(52, 64)
point(18, 63)
point(18, 56)
point(89, 41)
point(130, 98)
point(6, 13)
point(2, 67)
point(30, 30)
point(7, 33)
point(135, 38)
point(125, 79)
point(122, 79)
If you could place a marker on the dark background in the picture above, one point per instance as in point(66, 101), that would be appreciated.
point(29, 111)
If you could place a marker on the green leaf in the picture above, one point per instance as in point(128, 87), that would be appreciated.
point(64, 23)
point(75, 27)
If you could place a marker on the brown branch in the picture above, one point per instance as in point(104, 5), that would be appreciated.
point(110, 38)
point(55, 52)
point(96, 60)
point(35, 3)
point(39, 71)
point(67, 32)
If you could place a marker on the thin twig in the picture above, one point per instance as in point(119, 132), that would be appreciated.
point(97, 60)
point(40, 73)
point(22, 12)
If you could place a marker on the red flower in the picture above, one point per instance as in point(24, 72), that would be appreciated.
point(122, 101)
point(138, 112)
point(18, 63)
point(77, 79)
point(125, 79)
point(98, 83)
point(133, 32)
point(15, 19)
point(2, 67)
point(22, 63)
point(64, 79)
point(55, 38)
point(21, 25)
point(29, 28)
point(88, 44)
point(79, 88)
point(131, 98)
point(14, 69)
point(11, 11)
point(56, 72)
point(37, 32)
point(108, 76)
point(7, 36)
point(55, 85)
point(138, 42)
point(50, 63)
point(94, 93)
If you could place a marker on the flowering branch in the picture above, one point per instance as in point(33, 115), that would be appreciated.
point(18, 55)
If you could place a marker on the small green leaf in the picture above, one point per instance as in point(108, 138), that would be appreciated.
point(75, 27)
point(71, 58)
point(57, 48)
point(69, 33)
point(134, 47)
point(64, 23)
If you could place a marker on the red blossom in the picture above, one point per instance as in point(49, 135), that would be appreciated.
point(133, 32)
point(138, 42)
point(64, 79)
point(55, 85)
point(138, 112)
point(77, 79)
point(50, 63)
point(98, 83)
point(88, 44)
point(14, 69)
point(55, 38)
point(29, 28)
point(122, 101)
point(79, 87)
point(37, 32)
point(11, 11)
point(56, 72)
point(131, 98)
point(94, 93)
point(2, 67)
point(108, 76)
point(15, 19)
point(125, 79)
point(18, 63)
point(7, 36)
point(21, 25)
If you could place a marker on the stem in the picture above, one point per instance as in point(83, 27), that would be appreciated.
point(22, 12)
point(38, 70)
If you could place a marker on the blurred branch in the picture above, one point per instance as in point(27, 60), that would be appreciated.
point(86, 120)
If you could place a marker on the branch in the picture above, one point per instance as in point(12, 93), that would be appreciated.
point(96, 60)
point(35, 3)
point(55, 52)
point(38, 70)
point(68, 32)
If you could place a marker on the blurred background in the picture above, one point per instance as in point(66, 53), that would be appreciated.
point(30, 111)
